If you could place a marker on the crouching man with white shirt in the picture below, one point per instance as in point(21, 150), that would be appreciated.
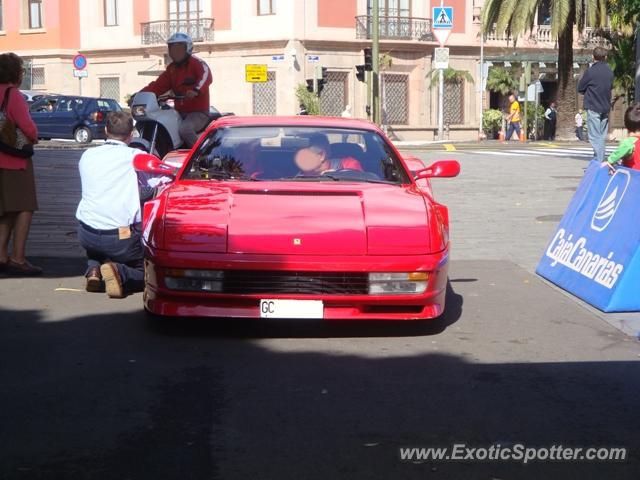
point(109, 213)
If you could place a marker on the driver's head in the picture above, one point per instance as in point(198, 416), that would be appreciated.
point(314, 159)
point(180, 47)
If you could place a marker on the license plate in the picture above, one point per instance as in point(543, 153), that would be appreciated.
point(291, 308)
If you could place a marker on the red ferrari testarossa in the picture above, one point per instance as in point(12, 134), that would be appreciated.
point(296, 217)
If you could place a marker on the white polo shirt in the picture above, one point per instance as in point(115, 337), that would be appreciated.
point(110, 197)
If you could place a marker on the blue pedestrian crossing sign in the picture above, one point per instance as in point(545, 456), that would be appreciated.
point(442, 17)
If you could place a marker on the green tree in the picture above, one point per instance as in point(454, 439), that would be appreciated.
point(621, 59)
point(308, 100)
point(624, 18)
point(517, 17)
point(501, 80)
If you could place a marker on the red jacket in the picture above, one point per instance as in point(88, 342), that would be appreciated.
point(17, 112)
point(198, 77)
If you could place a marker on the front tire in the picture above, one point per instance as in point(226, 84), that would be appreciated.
point(82, 135)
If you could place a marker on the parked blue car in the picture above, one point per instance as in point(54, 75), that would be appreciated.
point(64, 116)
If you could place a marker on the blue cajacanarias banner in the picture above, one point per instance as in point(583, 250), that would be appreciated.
point(595, 252)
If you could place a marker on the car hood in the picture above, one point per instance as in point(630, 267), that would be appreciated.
point(296, 218)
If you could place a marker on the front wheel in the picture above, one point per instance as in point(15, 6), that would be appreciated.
point(82, 135)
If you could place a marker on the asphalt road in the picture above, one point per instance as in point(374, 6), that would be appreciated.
point(91, 389)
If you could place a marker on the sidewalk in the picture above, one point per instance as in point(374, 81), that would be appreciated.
point(452, 145)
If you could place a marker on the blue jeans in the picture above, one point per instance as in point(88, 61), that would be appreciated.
point(513, 127)
point(127, 255)
point(597, 126)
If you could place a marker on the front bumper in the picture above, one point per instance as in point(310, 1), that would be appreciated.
point(162, 301)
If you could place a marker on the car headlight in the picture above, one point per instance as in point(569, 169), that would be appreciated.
point(139, 111)
point(397, 283)
point(194, 280)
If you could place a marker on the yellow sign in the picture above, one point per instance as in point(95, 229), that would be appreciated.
point(255, 73)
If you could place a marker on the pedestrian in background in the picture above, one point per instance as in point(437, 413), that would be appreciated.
point(579, 125)
point(595, 85)
point(513, 118)
point(18, 198)
point(550, 119)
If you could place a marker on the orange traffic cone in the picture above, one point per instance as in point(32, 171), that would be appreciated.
point(522, 136)
point(501, 136)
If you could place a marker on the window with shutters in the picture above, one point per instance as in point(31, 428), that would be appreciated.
point(37, 76)
point(110, 88)
point(395, 99)
point(453, 113)
point(333, 98)
point(110, 13)
point(264, 96)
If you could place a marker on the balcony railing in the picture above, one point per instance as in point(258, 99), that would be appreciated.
point(590, 38)
point(201, 30)
point(395, 28)
point(541, 36)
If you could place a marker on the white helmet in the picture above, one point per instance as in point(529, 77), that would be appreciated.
point(180, 37)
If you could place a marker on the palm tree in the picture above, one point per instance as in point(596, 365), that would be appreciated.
point(517, 17)
point(450, 75)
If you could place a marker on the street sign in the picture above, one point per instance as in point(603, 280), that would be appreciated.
point(313, 58)
point(442, 34)
point(277, 58)
point(442, 17)
point(255, 73)
point(441, 58)
point(80, 73)
point(79, 62)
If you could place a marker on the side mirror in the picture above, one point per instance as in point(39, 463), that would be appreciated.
point(147, 163)
point(440, 169)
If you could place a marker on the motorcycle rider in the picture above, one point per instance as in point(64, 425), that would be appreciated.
point(188, 76)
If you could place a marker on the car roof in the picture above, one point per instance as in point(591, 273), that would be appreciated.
point(296, 121)
point(57, 95)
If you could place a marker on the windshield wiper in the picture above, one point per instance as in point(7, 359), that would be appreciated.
point(337, 178)
point(224, 175)
point(306, 178)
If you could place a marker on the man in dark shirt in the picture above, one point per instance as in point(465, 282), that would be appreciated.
point(595, 85)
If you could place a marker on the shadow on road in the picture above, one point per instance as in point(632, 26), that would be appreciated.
point(113, 396)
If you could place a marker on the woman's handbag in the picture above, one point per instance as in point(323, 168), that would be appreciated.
point(12, 140)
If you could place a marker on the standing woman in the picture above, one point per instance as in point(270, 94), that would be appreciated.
point(17, 185)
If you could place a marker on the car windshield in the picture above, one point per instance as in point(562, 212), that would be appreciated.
point(289, 153)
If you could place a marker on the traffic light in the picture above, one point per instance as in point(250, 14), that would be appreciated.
point(321, 77)
point(360, 69)
point(368, 59)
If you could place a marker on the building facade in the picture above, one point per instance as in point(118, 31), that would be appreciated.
point(124, 42)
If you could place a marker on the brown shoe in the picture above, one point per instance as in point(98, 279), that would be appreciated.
point(22, 269)
point(112, 281)
point(94, 281)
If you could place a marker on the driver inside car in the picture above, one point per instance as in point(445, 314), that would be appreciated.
point(315, 159)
